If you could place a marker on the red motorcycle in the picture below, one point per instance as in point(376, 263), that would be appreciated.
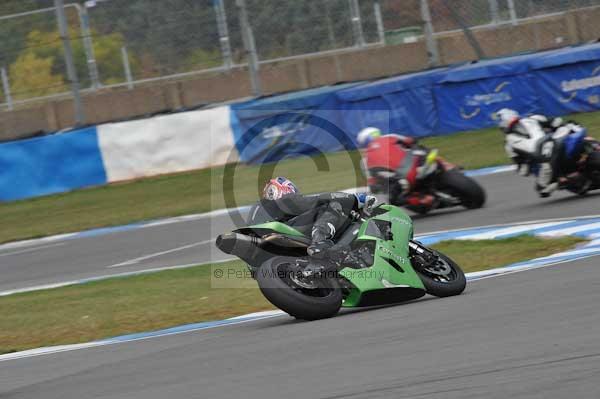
point(435, 183)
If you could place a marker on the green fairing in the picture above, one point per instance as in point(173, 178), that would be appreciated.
point(381, 275)
point(373, 278)
point(279, 228)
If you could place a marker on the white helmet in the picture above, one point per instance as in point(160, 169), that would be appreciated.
point(367, 135)
point(506, 117)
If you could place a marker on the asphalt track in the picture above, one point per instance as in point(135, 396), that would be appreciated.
point(528, 335)
point(510, 199)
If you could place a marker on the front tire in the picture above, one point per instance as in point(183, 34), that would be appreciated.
point(305, 300)
point(470, 193)
point(439, 285)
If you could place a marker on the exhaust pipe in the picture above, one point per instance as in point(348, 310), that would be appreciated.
point(237, 244)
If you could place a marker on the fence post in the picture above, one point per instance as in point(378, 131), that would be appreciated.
point(250, 47)
point(127, 67)
point(512, 11)
point(494, 13)
point(6, 89)
point(432, 50)
point(71, 71)
point(379, 21)
point(223, 33)
point(88, 46)
point(330, 32)
point(359, 37)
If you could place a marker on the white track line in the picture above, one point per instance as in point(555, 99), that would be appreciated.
point(157, 254)
point(24, 251)
point(571, 230)
point(105, 277)
point(490, 235)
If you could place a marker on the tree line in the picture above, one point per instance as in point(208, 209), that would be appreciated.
point(171, 36)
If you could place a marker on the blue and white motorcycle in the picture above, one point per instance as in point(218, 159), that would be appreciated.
point(576, 158)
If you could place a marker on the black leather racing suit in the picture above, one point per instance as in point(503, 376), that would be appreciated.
point(323, 215)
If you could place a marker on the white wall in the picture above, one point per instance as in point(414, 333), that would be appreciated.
point(167, 144)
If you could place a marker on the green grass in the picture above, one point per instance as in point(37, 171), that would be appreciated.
point(164, 299)
point(202, 190)
point(473, 256)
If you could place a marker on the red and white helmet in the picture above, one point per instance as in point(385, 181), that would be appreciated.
point(279, 187)
point(506, 118)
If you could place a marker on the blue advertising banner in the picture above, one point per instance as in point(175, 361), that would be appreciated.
point(471, 105)
point(50, 164)
point(283, 134)
point(570, 88)
point(410, 112)
point(407, 101)
point(301, 123)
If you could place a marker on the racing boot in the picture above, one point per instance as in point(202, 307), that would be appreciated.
point(545, 192)
point(544, 184)
point(321, 240)
point(319, 249)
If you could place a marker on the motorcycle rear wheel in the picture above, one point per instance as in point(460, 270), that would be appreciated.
point(469, 192)
point(303, 299)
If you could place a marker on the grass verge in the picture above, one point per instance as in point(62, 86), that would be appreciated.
point(159, 300)
point(201, 191)
point(474, 256)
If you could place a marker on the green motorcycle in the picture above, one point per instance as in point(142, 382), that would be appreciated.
point(375, 261)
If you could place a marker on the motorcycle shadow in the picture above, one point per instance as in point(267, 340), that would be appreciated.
point(437, 213)
point(345, 312)
point(568, 198)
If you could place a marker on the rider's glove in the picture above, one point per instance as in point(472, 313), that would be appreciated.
point(370, 204)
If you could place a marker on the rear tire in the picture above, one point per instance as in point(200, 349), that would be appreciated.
point(592, 164)
point(470, 193)
point(305, 304)
point(439, 288)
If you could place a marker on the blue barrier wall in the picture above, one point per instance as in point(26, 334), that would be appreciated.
point(50, 164)
point(270, 129)
point(445, 100)
point(569, 81)
point(402, 104)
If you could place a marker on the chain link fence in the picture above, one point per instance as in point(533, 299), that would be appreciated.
point(126, 42)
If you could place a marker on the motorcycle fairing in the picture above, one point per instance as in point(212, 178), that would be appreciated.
point(391, 270)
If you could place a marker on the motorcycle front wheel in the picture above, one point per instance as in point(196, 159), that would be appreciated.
point(302, 298)
point(443, 277)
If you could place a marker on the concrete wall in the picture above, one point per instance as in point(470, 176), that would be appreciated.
point(302, 73)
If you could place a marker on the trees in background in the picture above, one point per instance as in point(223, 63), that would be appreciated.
point(165, 37)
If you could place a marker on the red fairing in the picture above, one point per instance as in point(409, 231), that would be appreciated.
point(385, 153)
